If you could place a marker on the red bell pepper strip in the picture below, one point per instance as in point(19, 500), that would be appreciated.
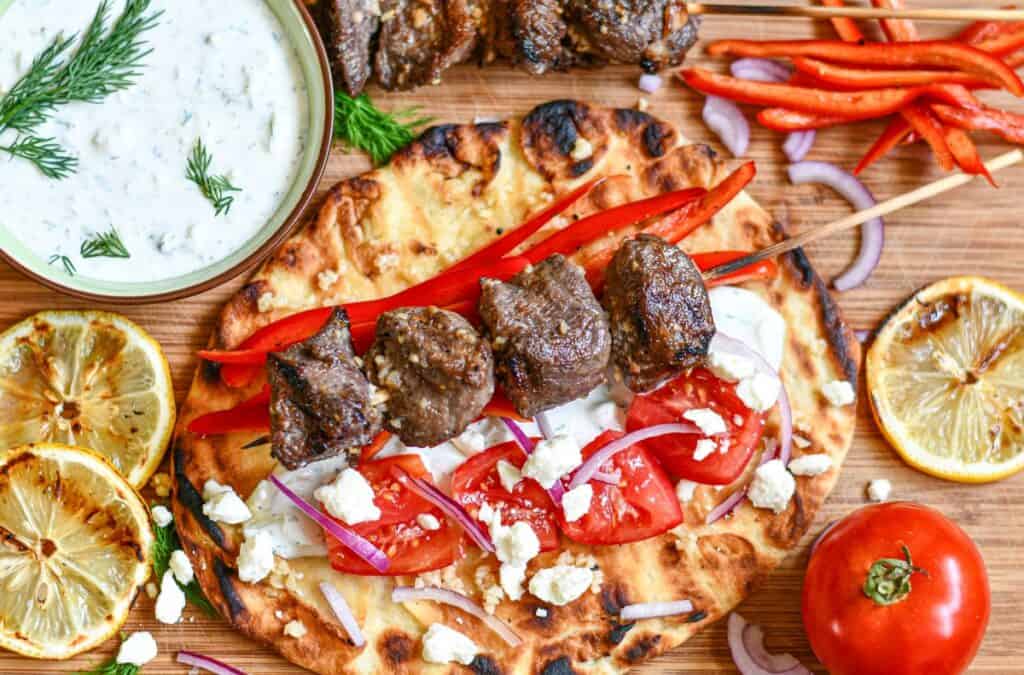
point(371, 449)
point(1015, 60)
point(931, 54)
point(766, 269)
point(784, 119)
point(893, 135)
point(250, 415)
point(980, 31)
point(272, 337)
point(926, 124)
point(848, 77)
point(897, 30)
point(1009, 40)
point(500, 247)
point(965, 153)
point(846, 28)
point(1007, 124)
point(500, 406)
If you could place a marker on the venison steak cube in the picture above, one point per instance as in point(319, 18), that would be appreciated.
point(659, 311)
point(436, 371)
point(320, 401)
point(550, 336)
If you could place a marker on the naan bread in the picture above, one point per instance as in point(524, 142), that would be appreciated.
point(447, 194)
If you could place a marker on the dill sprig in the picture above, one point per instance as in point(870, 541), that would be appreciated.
point(166, 542)
point(106, 61)
point(69, 267)
point(214, 188)
point(104, 245)
point(360, 124)
point(112, 667)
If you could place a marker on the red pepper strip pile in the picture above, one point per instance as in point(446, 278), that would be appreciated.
point(1004, 43)
point(893, 135)
point(783, 119)
point(376, 445)
point(862, 78)
point(897, 30)
point(248, 416)
point(766, 269)
point(965, 153)
point(1007, 124)
point(930, 128)
point(846, 28)
point(934, 54)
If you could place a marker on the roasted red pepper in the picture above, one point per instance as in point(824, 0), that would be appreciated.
point(894, 134)
point(784, 119)
point(375, 446)
point(847, 28)
point(248, 416)
point(766, 269)
point(847, 77)
point(929, 127)
point(897, 30)
point(965, 153)
point(1007, 124)
point(931, 54)
point(1007, 41)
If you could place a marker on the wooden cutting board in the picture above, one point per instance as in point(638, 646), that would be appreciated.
point(975, 230)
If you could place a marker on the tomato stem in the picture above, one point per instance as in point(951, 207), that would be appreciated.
point(888, 579)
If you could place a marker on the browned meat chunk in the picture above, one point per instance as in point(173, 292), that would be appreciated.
point(652, 33)
point(550, 336)
point(436, 371)
point(659, 310)
point(531, 33)
point(320, 401)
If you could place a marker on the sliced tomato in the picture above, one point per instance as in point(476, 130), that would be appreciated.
point(642, 505)
point(476, 481)
point(698, 389)
point(411, 548)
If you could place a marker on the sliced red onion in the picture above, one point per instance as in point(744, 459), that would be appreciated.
point(655, 610)
point(649, 82)
point(872, 233)
point(547, 430)
point(207, 663)
point(760, 70)
point(594, 462)
point(727, 121)
point(749, 655)
point(517, 432)
point(344, 613)
point(609, 477)
point(798, 144)
point(451, 508)
point(726, 507)
point(361, 547)
point(447, 597)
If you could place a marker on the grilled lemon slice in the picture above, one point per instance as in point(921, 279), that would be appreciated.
point(946, 380)
point(91, 379)
point(75, 552)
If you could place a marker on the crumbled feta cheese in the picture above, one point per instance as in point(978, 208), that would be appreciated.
point(256, 557)
point(581, 149)
point(162, 516)
point(349, 498)
point(295, 629)
point(801, 442)
point(266, 302)
point(561, 584)
point(772, 487)
point(516, 545)
point(642, 104)
point(470, 442)
point(707, 420)
point(810, 465)
point(576, 502)
point(607, 415)
point(152, 590)
point(182, 568)
point(171, 601)
point(879, 490)
point(839, 392)
point(511, 578)
point(509, 474)
point(223, 505)
point(730, 367)
point(442, 644)
point(685, 489)
point(705, 447)
point(759, 392)
point(541, 613)
point(551, 459)
point(138, 650)
point(428, 521)
point(326, 279)
point(486, 514)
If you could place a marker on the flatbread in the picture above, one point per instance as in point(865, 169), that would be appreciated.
point(448, 193)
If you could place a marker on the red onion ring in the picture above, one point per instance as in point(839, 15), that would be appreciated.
point(447, 597)
point(733, 500)
point(609, 477)
point(361, 547)
point(760, 70)
point(750, 656)
point(872, 233)
point(593, 463)
point(649, 82)
point(798, 144)
point(451, 508)
point(207, 663)
point(547, 430)
point(655, 610)
point(727, 121)
point(344, 613)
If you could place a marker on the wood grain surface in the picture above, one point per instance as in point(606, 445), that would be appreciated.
point(975, 230)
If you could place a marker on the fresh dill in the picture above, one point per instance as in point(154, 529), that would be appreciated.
point(69, 267)
point(214, 188)
point(112, 667)
point(107, 60)
point(104, 245)
point(166, 542)
point(361, 125)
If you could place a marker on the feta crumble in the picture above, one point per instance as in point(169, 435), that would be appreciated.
point(182, 568)
point(759, 392)
point(223, 505)
point(511, 578)
point(515, 545)
point(541, 613)
point(295, 629)
point(551, 459)
point(879, 490)
point(581, 149)
point(442, 644)
point(349, 498)
point(171, 601)
point(561, 584)
point(839, 392)
point(730, 367)
point(162, 516)
point(138, 650)
point(509, 474)
point(772, 487)
point(810, 465)
point(705, 447)
point(256, 557)
point(707, 420)
point(428, 521)
point(685, 489)
point(576, 502)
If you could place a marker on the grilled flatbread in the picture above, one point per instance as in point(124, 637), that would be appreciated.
point(454, 189)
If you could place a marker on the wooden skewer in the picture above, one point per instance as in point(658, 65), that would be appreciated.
point(884, 208)
point(813, 12)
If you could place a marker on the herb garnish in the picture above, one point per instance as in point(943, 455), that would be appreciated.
point(112, 667)
point(69, 267)
point(105, 62)
point(166, 542)
point(213, 188)
point(362, 125)
point(104, 245)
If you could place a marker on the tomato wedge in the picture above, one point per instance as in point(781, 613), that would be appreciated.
point(476, 481)
point(698, 389)
point(411, 548)
point(643, 505)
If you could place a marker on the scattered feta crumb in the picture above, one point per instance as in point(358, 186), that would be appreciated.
point(515, 545)
point(707, 420)
point(607, 415)
point(326, 279)
point(705, 447)
point(561, 584)
point(685, 489)
point(879, 490)
point(349, 498)
point(171, 601)
point(509, 474)
point(266, 302)
point(511, 578)
point(295, 629)
point(541, 613)
point(223, 505)
point(581, 149)
point(759, 392)
point(730, 367)
point(442, 644)
point(642, 105)
point(138, 650)
point(470, 442)
point(839, 392)
point(256, 557)
point(810, 465)
point(772, 487)
point(152, 590)
point(551, 459)
point(576, 502)
point(162, 516)
point(182, 568)
point(801, 442)
point(428, 521)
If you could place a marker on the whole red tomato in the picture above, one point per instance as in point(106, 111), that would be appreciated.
point(896, 589)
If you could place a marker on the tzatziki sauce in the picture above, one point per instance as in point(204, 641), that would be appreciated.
point(220, 71)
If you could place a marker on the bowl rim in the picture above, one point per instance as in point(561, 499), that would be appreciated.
point(289, 225)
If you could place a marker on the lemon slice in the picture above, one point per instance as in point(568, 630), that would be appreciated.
point(946, 380)
point(76, 550)
point(90, 379)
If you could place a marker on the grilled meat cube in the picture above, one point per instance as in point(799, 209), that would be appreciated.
point(350, 26)
point(659, 310)
point(550, 336)
point(653, 33)
point(531, 33)
point(437, 372)
point(320, 401)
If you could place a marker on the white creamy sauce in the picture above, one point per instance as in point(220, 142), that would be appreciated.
point(220, 71)
point(745, 316)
